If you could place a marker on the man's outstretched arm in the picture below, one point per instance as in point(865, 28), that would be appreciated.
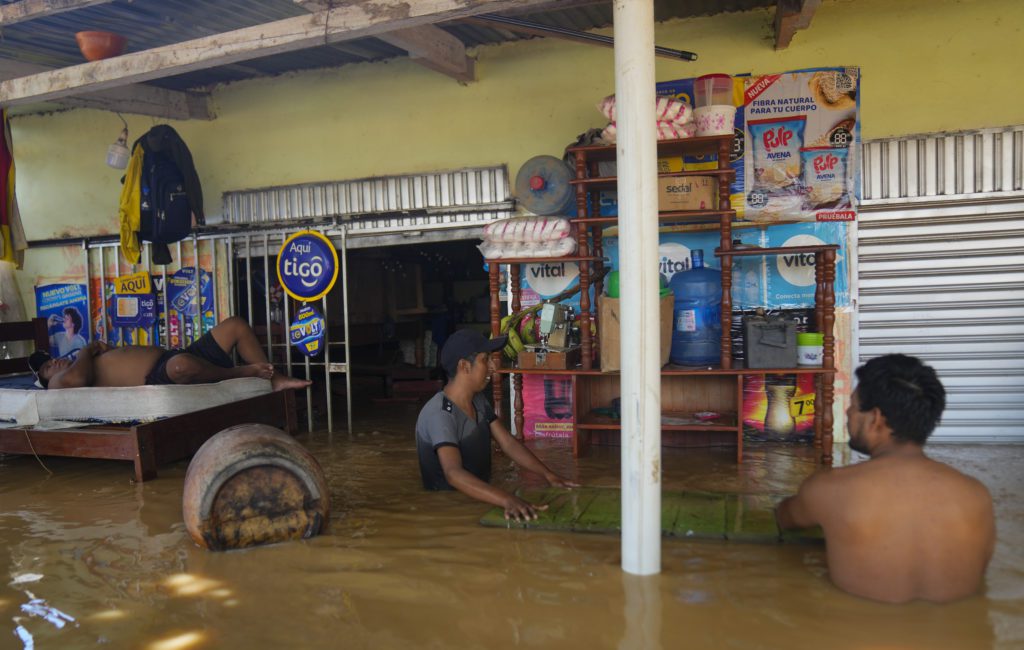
point(802, 510)
point(81, 372)
point(464, 481)
point(523, 457)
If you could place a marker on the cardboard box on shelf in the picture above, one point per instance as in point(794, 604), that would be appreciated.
point(610, 331)
point(670, 164)
point(687, 193)
point(674, 193)
point(549, 359)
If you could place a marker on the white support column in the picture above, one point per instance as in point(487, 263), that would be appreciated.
point(638, 250)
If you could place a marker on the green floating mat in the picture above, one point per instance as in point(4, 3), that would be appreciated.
point(701, 515)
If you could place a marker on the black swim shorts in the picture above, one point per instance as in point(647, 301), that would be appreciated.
point(205, 348)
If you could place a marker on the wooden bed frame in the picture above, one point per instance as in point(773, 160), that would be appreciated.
point(147, 445)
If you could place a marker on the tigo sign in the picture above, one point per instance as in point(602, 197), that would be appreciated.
point(307, 266)
point(134, 284)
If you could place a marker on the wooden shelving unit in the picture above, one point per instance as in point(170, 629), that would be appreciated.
point(684, 391)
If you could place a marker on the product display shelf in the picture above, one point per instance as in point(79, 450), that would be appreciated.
point(539, 260)
point(669, 371)
point(753, 251)
point(685, 391)
point(670, 217)
point(611, 182)
point(723, 422)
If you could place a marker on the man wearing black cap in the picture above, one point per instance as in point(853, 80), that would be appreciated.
point(455, 428)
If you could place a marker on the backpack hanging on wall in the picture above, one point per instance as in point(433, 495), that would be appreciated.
point(164, 213)
point(170, 194)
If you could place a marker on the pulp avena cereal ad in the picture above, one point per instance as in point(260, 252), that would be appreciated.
point(801, 133)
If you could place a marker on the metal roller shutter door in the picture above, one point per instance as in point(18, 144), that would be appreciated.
point(941, 271)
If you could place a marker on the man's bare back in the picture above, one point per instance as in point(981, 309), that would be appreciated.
point(900, 526)
point(903, 528)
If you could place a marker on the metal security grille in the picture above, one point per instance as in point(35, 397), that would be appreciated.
point(235, 266)
point(103, 263)
point(376, 206)
point(941, 271)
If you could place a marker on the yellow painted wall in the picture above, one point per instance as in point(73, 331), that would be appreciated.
point(928, 65)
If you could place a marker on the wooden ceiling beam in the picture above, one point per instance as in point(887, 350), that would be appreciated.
point(345, 22)
point(790, 17)
point(136, 99)
point(428, 45)
point(434, 48)
point(19, 12)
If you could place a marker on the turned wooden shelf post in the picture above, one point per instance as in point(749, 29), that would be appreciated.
point(725, 239)
point(515, 283)
point(824, 312)
point(494, 280)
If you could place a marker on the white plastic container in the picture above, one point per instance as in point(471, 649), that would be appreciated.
point(809, 349)
point(712, 90)
point(717, 119)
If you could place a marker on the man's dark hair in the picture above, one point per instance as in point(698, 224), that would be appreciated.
point(907, 392)
point(76, 318)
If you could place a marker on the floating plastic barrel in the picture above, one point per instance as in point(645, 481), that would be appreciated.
point(542, 186)
point(696, 317)
point(253, 484)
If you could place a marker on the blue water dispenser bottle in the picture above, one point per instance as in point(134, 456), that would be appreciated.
point(697, 315)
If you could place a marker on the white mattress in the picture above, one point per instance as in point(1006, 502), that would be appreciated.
point(58, 407)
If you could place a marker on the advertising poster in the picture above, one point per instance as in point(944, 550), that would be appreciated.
point(801, 133)
point(65, 308)
point(187, 301)
point(542, 281)
point(307, 331)
point(307, 266)
point(133, 303)
point(675, 251)
point(790, 278)
point(547, 406)
point(772, 281)
point(778, 407)
point(547, 279)
point(105, 320)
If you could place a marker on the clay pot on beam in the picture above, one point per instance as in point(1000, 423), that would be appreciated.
point(100, 45)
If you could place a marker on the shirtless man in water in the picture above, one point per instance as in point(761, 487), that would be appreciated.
point(900, 526)
point(206, 361)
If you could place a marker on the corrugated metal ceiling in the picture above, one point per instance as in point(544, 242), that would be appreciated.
point(152, 23)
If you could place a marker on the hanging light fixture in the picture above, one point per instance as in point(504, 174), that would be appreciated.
point(117, 153)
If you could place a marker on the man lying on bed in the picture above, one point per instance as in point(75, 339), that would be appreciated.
point(206, 361)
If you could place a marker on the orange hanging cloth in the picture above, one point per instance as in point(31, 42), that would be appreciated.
point(12, 235)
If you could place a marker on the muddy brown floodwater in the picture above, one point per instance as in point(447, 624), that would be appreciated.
point(88, 558)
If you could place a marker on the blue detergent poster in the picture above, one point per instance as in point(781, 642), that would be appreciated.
point(790, 278)
point(675, 252)
point(544, 280)
point(772, 281)
point(65, 308)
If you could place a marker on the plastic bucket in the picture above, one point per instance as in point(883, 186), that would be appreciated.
point(809, 347)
